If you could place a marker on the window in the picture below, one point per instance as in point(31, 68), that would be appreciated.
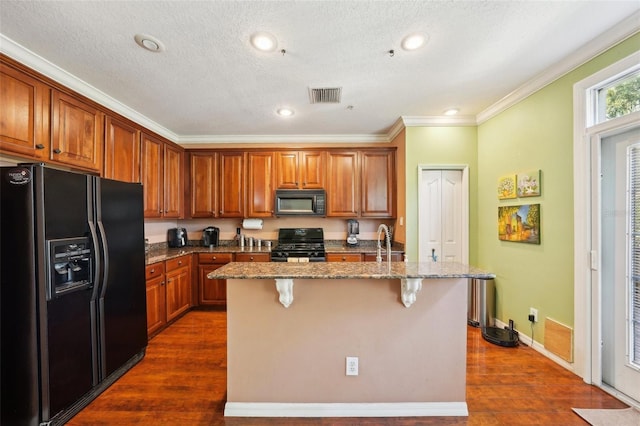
point(618, 97)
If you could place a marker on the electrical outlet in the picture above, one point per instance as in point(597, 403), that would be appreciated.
point(534, 312)
point(352, 366)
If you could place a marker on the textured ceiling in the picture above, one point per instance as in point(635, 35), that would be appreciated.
point(210, 82)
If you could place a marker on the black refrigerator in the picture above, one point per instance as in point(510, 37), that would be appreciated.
point(72, 290)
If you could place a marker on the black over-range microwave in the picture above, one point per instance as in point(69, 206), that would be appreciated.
point(301, 202)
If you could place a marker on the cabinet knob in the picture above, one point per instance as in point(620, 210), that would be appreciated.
point(57, 151)
point(179, 262)
point(161, 282)
point(39, 146)
point(153, 271)
point(214, 258)
point(251, 258)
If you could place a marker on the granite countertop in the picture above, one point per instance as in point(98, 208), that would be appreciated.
point(161, 253)
point(340, 270)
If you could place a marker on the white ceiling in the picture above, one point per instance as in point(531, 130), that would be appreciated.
point(210, 84)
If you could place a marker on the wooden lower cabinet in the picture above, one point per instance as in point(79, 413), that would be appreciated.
point(344, 257)
point(169, 292)
point(156, 298)
point(212, 292)
point(178, 286)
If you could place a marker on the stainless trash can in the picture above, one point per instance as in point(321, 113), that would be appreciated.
point(481, 307)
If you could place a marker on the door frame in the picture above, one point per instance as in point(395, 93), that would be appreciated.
point(464, 168)
point(587, 138)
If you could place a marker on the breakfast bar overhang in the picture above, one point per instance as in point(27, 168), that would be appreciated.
point(290, 327)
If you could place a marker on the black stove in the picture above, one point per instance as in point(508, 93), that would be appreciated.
point(299, 245)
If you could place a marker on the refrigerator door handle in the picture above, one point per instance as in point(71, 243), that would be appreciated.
point(96, 257)
point(105, 258)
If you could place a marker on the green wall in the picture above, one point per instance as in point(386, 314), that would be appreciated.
point(441, 146)
point(536, 133)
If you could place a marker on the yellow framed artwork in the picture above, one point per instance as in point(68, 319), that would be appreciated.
point(507, 187)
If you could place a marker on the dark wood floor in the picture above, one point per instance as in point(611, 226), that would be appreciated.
point(182, 381)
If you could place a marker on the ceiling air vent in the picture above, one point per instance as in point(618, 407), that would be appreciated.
point(325, 95)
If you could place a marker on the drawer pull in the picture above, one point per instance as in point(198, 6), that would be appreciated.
point(39, 146)
point(57, 151)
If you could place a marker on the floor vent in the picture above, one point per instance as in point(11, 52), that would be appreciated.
point(325, 95)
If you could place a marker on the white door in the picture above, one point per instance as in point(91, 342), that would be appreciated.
point(620, 248)
point(443, 215)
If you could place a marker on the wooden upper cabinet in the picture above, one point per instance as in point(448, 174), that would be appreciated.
point(152, 176)
point(312, 169)
point(204, 177)
point(173, 181)
point(24, 114)
point(300, 169)
point(260, 184)
point(76, 132)
point(162, 178)
point(342, 183)
point(377, 189)
point(231, 184)
point(121, 151)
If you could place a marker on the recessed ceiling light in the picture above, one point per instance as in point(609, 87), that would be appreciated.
point(149, 43)
point(264, 41)
point(414, 41)
point(451, 111)
point(285, 112)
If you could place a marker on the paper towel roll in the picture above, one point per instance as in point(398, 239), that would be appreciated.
point(252, 224)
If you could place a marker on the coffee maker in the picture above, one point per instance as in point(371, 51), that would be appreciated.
point(211, 236)
point(353, 229)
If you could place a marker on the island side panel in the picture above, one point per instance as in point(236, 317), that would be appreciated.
point(297, 354)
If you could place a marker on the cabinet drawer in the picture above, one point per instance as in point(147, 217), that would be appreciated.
point(344, 257)
point(178, 262)
point(215, 258)
point(253, 257)
point(154, 270)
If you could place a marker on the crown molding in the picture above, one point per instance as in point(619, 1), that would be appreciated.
point(57, 74)
point(269, 139)
point(616, 34)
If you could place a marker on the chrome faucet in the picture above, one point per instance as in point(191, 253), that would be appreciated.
point(384, 228)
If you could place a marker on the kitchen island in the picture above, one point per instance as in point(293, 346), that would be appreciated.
point(291, 326)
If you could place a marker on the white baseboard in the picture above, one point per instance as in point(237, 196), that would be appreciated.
point(391, 409)
point(538, 347)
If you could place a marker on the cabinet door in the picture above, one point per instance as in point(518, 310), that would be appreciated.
point(260, 183)
point(342, 184)
point(156, 304)
point(231, 184)
point(173, 184)
point(312, 169)
point(122, 151)
point(212, 292)
point(178, 286)
point(24, 114)
point(152, 176)
point(377, 184)
point(77, 133)
point(287, 170)
point(204, 176)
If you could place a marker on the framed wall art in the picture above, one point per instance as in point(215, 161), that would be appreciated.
point(520, 223)
point(529, 184)
point(507, 187)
